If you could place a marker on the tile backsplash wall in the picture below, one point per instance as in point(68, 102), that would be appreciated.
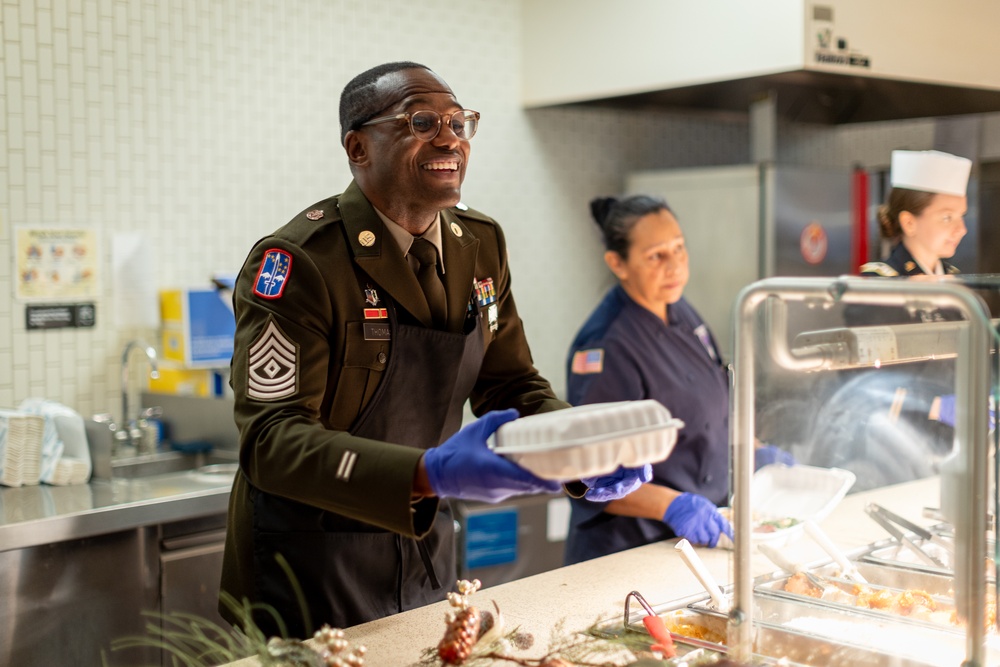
point(204, 124)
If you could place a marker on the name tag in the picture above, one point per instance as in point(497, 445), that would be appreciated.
point(376, 331)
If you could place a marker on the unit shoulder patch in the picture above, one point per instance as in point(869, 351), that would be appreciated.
point(273, 274)
point(273, 365)
point(879, 269)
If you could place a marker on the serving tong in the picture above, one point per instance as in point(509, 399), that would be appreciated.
point(821, 582)
point(655, 626)
point(892, 522)
point(847, 568)
point(697, 567)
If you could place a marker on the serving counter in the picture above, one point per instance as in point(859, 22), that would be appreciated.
point(578, 596)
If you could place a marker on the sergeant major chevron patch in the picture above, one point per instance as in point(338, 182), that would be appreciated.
point(272, 372)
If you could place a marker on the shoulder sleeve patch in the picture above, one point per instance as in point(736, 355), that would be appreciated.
point(878, 269)
point(272, 276)
point(587, 362)
point(273, 368)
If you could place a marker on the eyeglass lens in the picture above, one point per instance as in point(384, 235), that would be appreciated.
point(427, 124)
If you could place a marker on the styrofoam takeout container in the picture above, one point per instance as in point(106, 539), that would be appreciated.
point(801, 492)
point(589, 440)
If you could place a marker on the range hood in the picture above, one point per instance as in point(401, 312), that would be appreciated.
point(818, 97)
point(833, 62)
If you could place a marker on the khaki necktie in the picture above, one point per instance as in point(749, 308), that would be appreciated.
point(427, 275)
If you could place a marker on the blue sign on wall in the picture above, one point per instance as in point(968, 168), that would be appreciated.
point(491, 538)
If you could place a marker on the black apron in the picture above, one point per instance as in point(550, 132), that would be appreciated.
point(351, 572)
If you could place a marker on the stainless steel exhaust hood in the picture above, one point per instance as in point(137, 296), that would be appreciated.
point(839, 61)
point(818, 97)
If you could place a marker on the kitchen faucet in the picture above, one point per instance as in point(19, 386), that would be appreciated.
point(129, 432)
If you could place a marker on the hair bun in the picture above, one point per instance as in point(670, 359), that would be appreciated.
point(599, 208)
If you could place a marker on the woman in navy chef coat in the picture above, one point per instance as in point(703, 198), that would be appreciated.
point(644, 341)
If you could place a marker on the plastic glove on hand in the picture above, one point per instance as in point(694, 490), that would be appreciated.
point(945, 409)
point(768, 454)
point(618, 484)
point(697, 519)
point(464, 466)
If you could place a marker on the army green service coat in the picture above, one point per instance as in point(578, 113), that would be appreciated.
point(293, 439)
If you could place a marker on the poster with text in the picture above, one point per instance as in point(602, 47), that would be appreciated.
point(56, 264)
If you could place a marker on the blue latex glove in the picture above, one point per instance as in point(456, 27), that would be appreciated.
point(464, 466)
point(946, 411)
point(696, 519)
point(768, 454)
point(618, 484)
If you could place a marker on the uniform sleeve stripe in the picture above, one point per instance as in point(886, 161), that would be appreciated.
point(346, 466)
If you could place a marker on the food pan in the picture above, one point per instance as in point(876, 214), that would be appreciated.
point(772, 644)
point(833, 635)
point(913, 605)
point(887, 574)
point(895, 555)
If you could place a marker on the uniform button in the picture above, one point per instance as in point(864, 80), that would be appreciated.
point(706, 479)
point(381, 357)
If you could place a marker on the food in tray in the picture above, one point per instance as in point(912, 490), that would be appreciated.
point(771, 525)
point(764, 525)
point(701, 626)
point(910, 602)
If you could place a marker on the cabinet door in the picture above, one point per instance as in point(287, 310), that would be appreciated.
point(65, 603)
point(190, 571)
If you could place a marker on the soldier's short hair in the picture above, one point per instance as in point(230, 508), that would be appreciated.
point(360, 101)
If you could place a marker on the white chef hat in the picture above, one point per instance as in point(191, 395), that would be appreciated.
point(930, 171)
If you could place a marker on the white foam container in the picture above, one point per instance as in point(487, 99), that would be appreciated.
point(589, 440)
point(801, 492)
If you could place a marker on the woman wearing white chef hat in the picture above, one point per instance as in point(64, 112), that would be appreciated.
point(894, 424)
point(924, 213)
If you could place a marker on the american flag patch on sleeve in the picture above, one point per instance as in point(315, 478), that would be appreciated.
point(588, 361)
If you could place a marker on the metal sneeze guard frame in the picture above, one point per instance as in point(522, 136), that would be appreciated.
point(964, 484)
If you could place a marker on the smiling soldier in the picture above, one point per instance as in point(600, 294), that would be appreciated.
point(363, 326)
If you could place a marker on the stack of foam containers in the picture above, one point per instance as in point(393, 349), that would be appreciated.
point(20, 448)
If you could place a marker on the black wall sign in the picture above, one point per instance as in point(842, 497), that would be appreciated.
point(73, 315)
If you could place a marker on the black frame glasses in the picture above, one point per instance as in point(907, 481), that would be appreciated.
point(426, 124)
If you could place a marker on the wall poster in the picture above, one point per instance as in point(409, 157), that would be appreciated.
point(55, 263)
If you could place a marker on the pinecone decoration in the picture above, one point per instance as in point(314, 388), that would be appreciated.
point(461, 635)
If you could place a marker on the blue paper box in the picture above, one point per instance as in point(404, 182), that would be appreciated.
point(198, 326)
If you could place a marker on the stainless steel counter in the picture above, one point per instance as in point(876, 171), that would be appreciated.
point(83, 565)
point(37, 515)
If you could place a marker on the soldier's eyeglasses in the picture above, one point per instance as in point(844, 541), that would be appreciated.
point(425, 125)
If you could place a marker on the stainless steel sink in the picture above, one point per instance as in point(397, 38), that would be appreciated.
point(161, 463)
